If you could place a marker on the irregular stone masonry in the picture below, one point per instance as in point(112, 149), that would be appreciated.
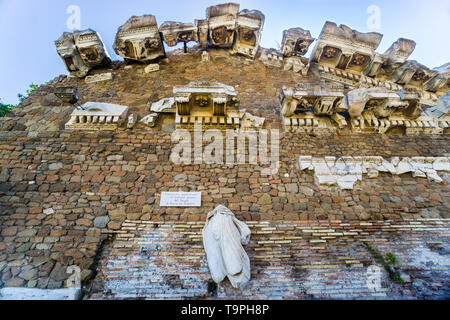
point(289, 260)
point(68, 198)
point(346, 171)
point(61, 191)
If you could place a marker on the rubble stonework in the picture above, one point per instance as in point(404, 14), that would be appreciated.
point(81, 182)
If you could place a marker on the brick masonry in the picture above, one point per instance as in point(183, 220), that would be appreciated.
point(91, 199)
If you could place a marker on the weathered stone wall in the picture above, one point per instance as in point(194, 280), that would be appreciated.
point(65, 196)
point(62, 193)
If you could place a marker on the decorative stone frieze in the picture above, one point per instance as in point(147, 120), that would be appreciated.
point(295, 64)
point(249, 26)
point(413, 73)
point(81, 51)
point(346, 171)
point(153, 67)
point(149, 120)
point(176, 32)
point(345, 49)
point(223, 239)
point(208, 103)
point(322, 100)
point(296, 41)
point(139, 39)
point(96, 116)
point(271, 58)
point(222, 24)
point(303, 108)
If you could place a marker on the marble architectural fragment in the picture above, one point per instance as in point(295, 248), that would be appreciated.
point(166, 105)
point(223, 239)
point(304, 106)
point(176, 32)
point(249, 26)
point(271, 58)
point(295, 64)
point(222, 24)
point(346, 171)
point(67, 94)
point(345, 49)
point(397, 54)
point(132, 120)
point(296, 41)
point(440, 78)
point(379, 109)
point(152, 67)
point(412, 72)
point(99, 77)
point(139, 39)
point(96, 116)
point(82, 51)
point(208, 103)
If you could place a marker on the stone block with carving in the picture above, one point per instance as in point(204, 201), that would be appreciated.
point(344, 48)
point(346, 171)
point(396, 55)
point(249, 26)
point(304, 106)
point(222, 24)
point(176, 32)
point(139, 39)
point(208, 103)
point(379, 109)
point(96, 116)
point(413, 73)
point(223, 239)
point(166, 105)
point(99, 77)
point(81, 51)
point(296, 41)
point(271, 58)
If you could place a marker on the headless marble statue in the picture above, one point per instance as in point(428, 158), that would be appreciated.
point(223, 237)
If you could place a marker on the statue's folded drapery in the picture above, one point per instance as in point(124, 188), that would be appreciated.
point(223, 237)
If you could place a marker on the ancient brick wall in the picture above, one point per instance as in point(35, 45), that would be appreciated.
point(91, 199)
point(63, 193)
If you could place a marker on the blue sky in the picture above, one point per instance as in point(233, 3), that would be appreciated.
point(28, 28)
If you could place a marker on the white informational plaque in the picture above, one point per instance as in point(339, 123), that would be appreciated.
point(181, 199)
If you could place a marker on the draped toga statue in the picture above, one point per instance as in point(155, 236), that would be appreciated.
point(223, 237)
